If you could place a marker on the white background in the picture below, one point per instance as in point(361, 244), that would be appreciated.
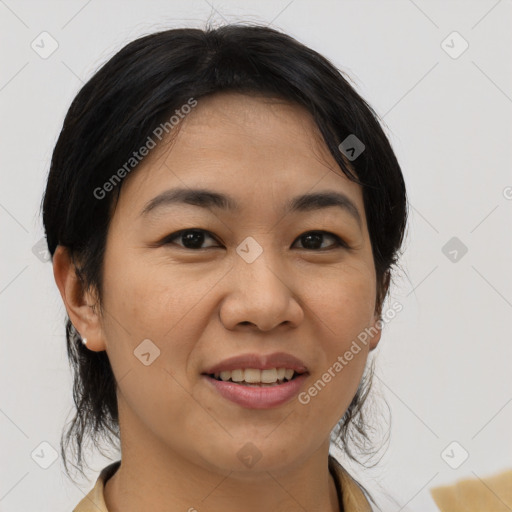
point(443, 364)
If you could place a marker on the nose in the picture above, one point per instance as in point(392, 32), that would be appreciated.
point(261, 293)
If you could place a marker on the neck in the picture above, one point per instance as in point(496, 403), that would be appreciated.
point(152, 476)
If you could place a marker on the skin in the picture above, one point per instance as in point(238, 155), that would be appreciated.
point(180, 438)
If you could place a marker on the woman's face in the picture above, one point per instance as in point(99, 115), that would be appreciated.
point(252, 281)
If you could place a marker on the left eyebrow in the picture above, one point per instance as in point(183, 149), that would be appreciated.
point(204, 198)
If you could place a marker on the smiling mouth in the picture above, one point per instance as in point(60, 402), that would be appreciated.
point(239, 379)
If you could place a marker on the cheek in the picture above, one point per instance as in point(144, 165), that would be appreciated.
point(150, 298)
point(343, 299)
point(156, 302)
point(143, 303)
point(342, 309)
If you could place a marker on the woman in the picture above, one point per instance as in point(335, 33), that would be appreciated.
point(223, 212)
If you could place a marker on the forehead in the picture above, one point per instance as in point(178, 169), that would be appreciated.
point(258, 149)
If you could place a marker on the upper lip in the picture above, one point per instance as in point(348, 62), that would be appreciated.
point(259, 361)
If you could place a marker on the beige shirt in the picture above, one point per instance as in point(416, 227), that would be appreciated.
point(492, 494)
point(349, 493)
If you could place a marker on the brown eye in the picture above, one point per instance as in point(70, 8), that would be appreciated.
point(191, 238)
point(313, 240)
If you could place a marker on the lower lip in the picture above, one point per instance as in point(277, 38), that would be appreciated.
point(255, 397)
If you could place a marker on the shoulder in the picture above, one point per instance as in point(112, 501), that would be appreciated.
point(352, 495)
point(94, 501)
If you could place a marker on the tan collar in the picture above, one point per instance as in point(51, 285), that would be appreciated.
point(351, 494)
point(94, 501)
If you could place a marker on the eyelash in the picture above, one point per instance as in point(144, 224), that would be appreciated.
point(168, 240)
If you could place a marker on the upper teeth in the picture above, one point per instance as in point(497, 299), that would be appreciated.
point(253, 375)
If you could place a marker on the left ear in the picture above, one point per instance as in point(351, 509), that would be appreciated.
point(376, 328)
